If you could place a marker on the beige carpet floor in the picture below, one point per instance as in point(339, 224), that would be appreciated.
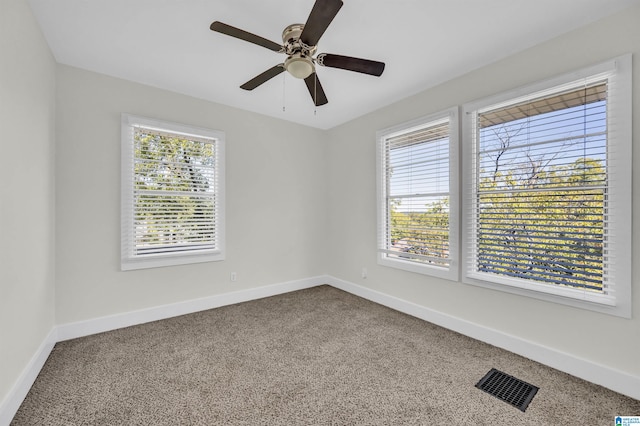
point(312, 357)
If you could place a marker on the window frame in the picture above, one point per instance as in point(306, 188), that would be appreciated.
point(452, 271)
point(131, 261)
point(618, 74)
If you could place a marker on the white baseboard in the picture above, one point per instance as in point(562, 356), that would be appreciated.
point(113, 322)
point(613, 379)
point(18, 392)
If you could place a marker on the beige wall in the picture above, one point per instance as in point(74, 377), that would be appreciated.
point(27, 90)
point(275, 190)
point(603, 339)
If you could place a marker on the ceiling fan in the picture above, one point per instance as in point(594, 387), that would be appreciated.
point(300, 44)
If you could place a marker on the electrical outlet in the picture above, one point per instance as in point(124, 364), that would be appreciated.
point(364, 272)
point(234, 276)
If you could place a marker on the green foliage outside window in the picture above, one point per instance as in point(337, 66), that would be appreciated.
point(548, 229)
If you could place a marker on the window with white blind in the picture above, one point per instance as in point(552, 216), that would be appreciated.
point(548, 190)
point(172, 194)
point(417, 195)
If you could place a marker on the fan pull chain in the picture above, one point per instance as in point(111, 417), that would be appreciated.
point(315, 94)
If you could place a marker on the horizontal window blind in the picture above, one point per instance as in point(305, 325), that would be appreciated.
point(541, 181)
point(174, 193)
point(416, 205)
point(172, 206)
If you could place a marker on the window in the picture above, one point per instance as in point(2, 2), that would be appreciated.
point(417, 195)
point(172, 194)
point(548, 190)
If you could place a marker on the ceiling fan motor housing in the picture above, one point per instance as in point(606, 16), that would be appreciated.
point(300, 61)
point(292, 33)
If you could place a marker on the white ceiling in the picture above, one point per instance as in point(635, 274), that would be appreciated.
point(168, 44)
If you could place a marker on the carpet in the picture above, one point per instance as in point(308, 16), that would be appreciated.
point(312, 357)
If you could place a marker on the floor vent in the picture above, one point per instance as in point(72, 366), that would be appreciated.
point(508, 388)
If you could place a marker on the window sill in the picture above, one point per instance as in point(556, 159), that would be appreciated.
point(449, 273)
point(157, 261)
point(574, 298)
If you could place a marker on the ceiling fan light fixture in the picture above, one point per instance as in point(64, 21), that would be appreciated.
point(299, 66)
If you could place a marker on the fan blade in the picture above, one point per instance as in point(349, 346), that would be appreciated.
point(263, 78)
point(319, 19)
point(315, 90)
point(364, 66)
point(243, 35)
